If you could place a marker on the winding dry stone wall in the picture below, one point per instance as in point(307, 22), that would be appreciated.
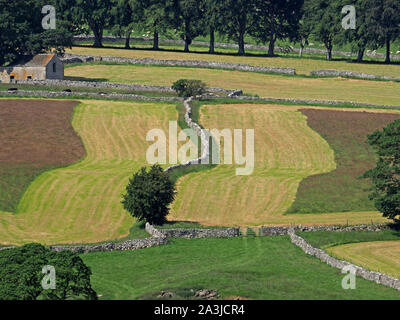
point(70, 58)
point(202, 133)
point(377, 277)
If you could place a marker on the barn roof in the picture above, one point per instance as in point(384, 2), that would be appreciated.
point(39, 60)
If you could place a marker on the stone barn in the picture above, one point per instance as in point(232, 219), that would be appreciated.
point(38, 67)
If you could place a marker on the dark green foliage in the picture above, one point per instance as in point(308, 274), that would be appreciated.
point(383, 21)
point(148, 195)
point(238, 16)
point(325, 21)
point(21, 274)
point(189, 17)
point(21, 30)
point(276, 19)
point(386, 175)
point(96, 14)
point(122, 19)
point(189, 88)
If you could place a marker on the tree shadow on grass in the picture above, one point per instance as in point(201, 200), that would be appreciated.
point(85, 79)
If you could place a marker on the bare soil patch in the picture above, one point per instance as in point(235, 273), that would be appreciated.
point(35, 136)
point(342, 189)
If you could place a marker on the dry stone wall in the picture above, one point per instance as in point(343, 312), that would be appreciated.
point(202, 133)
point(310, 102)
point(340, 264)
point(70, 58)
point(111, 85)
point(193, 233)
point(278, 231)
point(114, 96)
point(349, 74)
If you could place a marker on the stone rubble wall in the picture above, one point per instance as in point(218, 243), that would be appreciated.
point(73, 58)
point(309, 102)
point(377, 277)
point(134, 244)
point(194, 233)
point(202, 133)
point(111, 85)
point(349, 74)
point(115, 96)
point(278, 231)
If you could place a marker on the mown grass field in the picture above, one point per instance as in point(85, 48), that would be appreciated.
point(343, 189)
point(264, 85)
point(327, 239)
point(286, 152)
point(302, 66)
point(36, 136)
point(81, 203)
point(248, 267)
point(380, 256)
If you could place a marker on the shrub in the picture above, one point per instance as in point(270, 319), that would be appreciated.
point(148, 195)
point(21, 274)
point(189, 88)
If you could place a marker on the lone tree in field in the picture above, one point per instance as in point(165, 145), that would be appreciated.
point(148, 195)
point(21, 274)
point(386, 175)
point(189, 88)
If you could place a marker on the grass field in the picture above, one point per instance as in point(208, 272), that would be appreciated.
point(265, 85)
point(380, 256)
point(68, 205)
point(342, 189)
point(36, 136)
point(327, 239)
point(248, 267)
point(302, 66)
point(81, 203)
point(286, 151)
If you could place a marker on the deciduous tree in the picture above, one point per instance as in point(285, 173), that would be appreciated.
point(148, 195)
point(386, 175)
point(21, 274)
point(276, 19)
